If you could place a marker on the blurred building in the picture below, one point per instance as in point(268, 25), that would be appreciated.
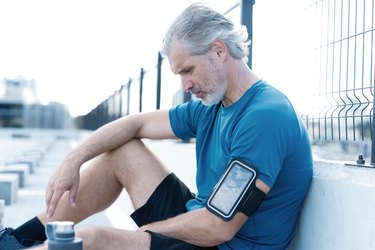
point(20, 107)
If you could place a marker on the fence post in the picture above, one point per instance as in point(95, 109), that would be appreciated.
point(120, 102)
point(141, 89)
point(128, 99)
point(247, 20)
point(373, 128)
point(158, 81)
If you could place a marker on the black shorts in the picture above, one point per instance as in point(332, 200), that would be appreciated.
point(168, 200)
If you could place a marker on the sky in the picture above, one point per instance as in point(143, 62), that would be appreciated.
point(80, 51)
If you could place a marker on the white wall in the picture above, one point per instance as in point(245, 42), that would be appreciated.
point(339, 211)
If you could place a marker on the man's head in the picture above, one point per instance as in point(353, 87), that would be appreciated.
point(198, 46)
point(198, 26)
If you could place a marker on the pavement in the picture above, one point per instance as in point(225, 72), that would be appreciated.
point(178, 156)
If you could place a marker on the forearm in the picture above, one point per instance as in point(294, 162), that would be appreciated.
point(199, 227)
point(106, 138)
point(153, 125)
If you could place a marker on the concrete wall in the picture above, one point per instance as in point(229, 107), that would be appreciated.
point(339, 211)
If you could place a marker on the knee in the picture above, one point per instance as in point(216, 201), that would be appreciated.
point(127, 149)
point(129, 154)
point(123, 152)
point(89, 236)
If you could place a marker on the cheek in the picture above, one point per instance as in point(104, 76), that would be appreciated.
point(209, 76)
point(212, 77)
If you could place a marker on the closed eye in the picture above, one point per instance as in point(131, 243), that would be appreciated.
point(186, 70)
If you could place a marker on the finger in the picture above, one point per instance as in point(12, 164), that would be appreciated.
point(49, 194)
point(53, 203)
point(73, 195)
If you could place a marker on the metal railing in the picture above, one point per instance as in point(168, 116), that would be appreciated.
point(342, 75)
point(343, 72)
point(129, 98)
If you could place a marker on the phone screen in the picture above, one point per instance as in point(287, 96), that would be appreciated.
point(231, 188)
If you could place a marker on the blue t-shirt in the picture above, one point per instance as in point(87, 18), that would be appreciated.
point(263, 129)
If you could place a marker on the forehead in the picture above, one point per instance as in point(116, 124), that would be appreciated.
point(178, 57)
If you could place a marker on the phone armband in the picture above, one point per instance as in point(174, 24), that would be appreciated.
point(235, 192)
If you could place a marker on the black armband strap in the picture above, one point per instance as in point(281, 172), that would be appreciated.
point(252, 202)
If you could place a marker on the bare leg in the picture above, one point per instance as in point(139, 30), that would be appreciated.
point(98, 238)
point(132, 166)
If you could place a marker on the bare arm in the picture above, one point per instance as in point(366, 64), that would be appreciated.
point(154, 125)
point(201, 227)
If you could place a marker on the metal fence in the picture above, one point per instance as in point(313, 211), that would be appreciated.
point(340, 61)
point(149, 91)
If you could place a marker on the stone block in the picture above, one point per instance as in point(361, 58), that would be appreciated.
point(8, 188)
point(22, 170)
point(31, 164)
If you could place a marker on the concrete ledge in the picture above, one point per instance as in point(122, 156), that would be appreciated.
point(36, 153)
point(22, 170)
point(338, 212)
point(30, 164)
point(8, 188)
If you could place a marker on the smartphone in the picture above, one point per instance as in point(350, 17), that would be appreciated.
point(231, 189)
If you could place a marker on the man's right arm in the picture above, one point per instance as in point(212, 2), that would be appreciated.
point(153, 125)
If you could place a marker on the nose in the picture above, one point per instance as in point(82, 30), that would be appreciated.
point(187, 84)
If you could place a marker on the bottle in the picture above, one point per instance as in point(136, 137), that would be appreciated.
point(61, 236)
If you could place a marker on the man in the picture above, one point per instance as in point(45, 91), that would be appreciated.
point(240, 121)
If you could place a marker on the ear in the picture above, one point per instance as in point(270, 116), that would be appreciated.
point(220, 49)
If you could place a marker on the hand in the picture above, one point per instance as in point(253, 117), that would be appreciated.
point(66, 178)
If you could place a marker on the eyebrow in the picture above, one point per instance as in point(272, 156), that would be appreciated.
point(173, 67)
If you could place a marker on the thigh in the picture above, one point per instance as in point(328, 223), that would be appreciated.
point(137, 169)
point(168, 200)
point(159, 241)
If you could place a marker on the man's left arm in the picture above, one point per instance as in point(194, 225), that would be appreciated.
point(201, 227)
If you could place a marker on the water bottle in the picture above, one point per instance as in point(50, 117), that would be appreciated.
point(61, 236)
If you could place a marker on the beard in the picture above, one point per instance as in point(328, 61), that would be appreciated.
point(218, 85)
point(216, 94)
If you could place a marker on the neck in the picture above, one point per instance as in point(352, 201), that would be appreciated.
point(240, 78)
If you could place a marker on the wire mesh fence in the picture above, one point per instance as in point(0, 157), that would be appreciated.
point(338, 65)
point(342, 60)
point(344, 66)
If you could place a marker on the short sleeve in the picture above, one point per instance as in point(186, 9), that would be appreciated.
point(184, 118)
point(264, 141)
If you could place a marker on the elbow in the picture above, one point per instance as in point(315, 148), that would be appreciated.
point(224, 235)
point(214, 231)
point(218, 232)
point(226, 231)
point(220, 240)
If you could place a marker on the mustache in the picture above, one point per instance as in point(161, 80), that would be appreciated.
point(195, 90)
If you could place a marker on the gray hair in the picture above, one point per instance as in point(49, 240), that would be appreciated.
point(198, 26)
